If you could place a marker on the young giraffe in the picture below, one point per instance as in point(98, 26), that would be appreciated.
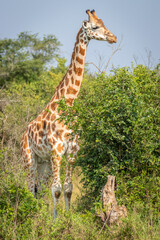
point(47, 139)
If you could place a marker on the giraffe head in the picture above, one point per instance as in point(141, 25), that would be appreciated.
point(95, 29)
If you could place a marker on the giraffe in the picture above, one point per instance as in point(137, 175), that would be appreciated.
point(47, 139)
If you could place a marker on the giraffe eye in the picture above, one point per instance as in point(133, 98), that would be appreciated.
point(94, 28)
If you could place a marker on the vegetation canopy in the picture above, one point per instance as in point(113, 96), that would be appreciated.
point(117, 119)
point(24, 58)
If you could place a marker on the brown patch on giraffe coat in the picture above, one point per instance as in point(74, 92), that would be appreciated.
point(81, 40)
point(48, 117)
point(57, 95)
point(44, 114)
point(43, 124)
point(36, 137)
point(70, 71)
point(53, 106)
point(70, 101)
point(39, 148)
point(58, 134)
point(62, 84)
point(40, 141)
point(74, 149)
point(77, 82)
point(73, 55)
point(38, 126)
point(60, 148)
point(72, 79)
point(71, 90)
point(82, 51)
point(34, 126)
point(46, 141)
point(77, 70)
point(48, 126)
point(79, 60)
point(41, 134)
point(61, 123)
point(32, 133)
point(39, 118)
point(66, 135)
point(44, 148)
point(53, 117)
point(53, 126)
point(79, 33)
point(29, 129)
point(53, 141)
point(80, 71)
point(62, 91)
point(25, 142)
point(76, 49)
point(66, 81)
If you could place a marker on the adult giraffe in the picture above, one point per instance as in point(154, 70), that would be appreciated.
point(47, 139)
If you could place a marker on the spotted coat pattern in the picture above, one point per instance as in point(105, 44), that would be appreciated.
point(47, 139)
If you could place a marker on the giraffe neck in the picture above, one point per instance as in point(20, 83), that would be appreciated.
point(70, 85)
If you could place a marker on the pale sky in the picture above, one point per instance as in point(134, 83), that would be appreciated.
point(137, 22)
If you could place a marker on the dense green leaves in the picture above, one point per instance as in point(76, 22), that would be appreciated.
point(24, 58)
point(118, 117)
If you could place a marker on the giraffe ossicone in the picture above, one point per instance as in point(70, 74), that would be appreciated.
point(47, 139)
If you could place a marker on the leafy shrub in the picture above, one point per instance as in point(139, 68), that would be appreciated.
point(118, 117)
point(17, 204)
point(118, 124)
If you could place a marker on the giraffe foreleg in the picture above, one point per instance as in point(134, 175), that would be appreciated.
point(68, 186)
point(56, 186)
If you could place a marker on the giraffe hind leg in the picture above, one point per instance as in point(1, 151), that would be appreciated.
point(44, 172)
point(29, 162)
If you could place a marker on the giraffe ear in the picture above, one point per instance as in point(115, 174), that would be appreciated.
point(86, 24)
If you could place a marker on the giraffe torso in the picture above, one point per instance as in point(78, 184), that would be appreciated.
point(49, 136)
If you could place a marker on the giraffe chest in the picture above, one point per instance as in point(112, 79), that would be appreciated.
point(50, 141)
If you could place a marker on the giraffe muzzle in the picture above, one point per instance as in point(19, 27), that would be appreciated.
point(112, 39)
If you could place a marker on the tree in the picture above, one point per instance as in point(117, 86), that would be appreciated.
point(117, 118)
point(24, 58)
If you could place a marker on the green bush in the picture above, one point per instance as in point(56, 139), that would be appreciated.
point(17, 204)
point(118, 117)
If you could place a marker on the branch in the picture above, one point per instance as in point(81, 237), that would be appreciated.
point(114, 50)
point(95, 66)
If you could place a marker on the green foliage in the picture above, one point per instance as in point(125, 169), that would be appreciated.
point(61, 68)
point(17, 205)
point(118, 117)
point(24, 58)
